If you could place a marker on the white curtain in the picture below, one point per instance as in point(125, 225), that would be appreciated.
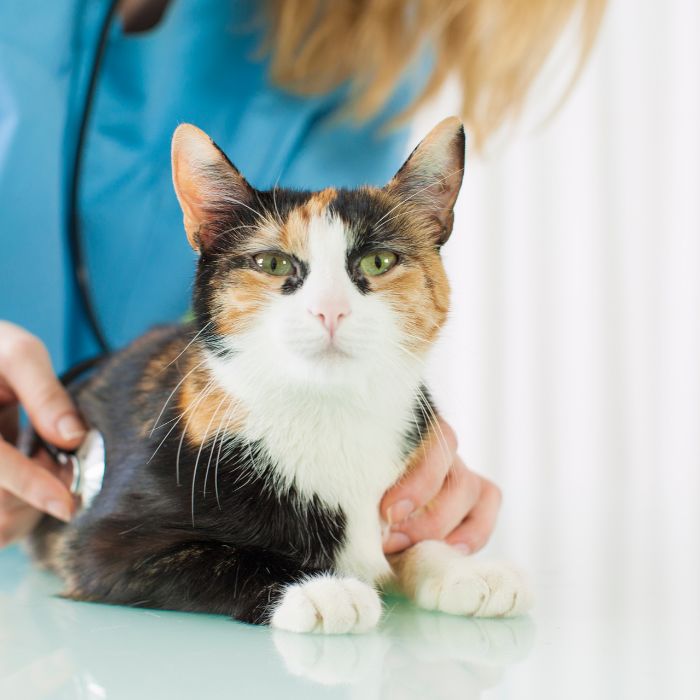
point(571, 364)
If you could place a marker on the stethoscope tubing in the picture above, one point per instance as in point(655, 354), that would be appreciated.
point(75, 240)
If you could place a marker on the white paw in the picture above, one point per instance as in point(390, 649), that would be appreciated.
point(465, 587)
point(329, 605)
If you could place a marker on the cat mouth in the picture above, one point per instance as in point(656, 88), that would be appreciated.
point(332, 353)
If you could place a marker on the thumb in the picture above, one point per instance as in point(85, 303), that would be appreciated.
point(26, 369)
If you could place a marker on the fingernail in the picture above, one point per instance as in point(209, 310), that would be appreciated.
point(462, 547)
point(70, 428)
point(400, 511)
point(396, 542)
point(59, 510)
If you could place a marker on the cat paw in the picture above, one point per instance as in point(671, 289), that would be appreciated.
point(329, 605)
point(474, 589)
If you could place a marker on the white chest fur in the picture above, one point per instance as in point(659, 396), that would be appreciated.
point(344, 447)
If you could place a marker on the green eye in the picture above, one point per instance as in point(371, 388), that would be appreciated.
point(378, 263)
point(274, 264)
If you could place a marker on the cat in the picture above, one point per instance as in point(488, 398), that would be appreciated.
point(247, 451)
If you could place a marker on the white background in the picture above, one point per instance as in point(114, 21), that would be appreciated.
point(571, 364)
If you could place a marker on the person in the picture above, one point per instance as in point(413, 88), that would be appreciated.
point(303, 94)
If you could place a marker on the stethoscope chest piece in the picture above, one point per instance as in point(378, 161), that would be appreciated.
point(88, 465)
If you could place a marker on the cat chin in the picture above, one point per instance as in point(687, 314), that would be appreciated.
point(327, 367)
point(320, 373)
point(314, 363)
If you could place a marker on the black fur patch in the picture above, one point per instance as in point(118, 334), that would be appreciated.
point(142, 544)
point(372, 226)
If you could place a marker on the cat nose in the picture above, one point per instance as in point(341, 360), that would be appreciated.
point(330, 313)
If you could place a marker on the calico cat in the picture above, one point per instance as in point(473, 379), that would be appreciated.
point(247, 451)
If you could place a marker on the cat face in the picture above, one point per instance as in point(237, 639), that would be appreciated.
point(320, 286)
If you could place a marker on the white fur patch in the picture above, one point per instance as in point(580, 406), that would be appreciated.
point(328, 604)
point(438, 577)
point(331, 421)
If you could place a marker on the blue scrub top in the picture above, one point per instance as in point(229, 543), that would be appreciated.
point(198, 65)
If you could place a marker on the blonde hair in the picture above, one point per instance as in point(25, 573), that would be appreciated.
point(495, 48)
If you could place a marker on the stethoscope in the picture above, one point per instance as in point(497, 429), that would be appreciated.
point(87, 462)
point(87, 466)
point(75, 240)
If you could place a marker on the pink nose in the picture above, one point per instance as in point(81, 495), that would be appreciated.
point(330, 313)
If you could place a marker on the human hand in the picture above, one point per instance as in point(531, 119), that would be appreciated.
point(30, 487)
point(440, 499)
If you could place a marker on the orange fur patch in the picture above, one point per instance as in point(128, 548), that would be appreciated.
point(207, 408)
point(418, 455)
point(319, 201)
point(241, 299)
point(419, 292)
point(294, 235)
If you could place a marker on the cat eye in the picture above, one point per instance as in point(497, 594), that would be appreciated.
point(378, 262)
point(274, 264)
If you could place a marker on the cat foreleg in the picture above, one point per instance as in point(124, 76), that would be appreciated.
point(207, 576)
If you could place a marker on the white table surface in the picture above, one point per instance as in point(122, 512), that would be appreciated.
point(609, 623)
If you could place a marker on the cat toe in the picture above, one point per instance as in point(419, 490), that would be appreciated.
point(296, 612)
point(478, 590)
point(509, 594)
point(329, 605)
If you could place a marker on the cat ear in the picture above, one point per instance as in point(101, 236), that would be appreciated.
point(206, 183)
point(431, 177)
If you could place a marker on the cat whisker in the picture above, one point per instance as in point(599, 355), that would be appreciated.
point(184, 350)
point(200, 397)
point(425, 198)
point(168, 422)
point(218, 459)
point(230, 414)
point(238, 228)
point(434, 422)
point(199, 452)
point(413, 336)
point(170, 396)
point(175, 421)
point(213, 447)
point(274, 198)
point(429, 413)
point(250, 473)
point(423, 344)
point(231, 200)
